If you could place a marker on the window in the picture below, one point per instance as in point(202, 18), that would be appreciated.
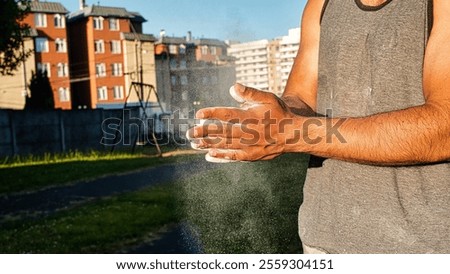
point(100, 70)
point(204, 50)
point(115, 47)
point(113, 24)
point(173, 63)
point(213, 50)
point(40, 20)
point(182, 49)
point(118, 92)
point(64, 94)
point(44, 68)
point(184, 114)
point(98, 23)
point(102, 93)
point(184, 80)
point(61, 45)
point(59, 21)
point(173, 79)
point(173, 49)
point(63, 70)
point(41, 45)
point(99, 46)
point(183, 64)
point(116, 69)
point(184, 95)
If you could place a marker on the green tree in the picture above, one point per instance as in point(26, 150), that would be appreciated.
point(12, 31)
point(41, 92)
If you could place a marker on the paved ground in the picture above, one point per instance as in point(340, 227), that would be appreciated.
point(178, 240)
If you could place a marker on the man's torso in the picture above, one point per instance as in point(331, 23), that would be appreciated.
point(371, 61)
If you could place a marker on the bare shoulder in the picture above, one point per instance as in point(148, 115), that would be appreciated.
point(437, 56)
point(313, 10)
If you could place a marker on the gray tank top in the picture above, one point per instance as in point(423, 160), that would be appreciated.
point(371, 61)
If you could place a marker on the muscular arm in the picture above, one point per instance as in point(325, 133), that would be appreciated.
point(417, 135)
point(300, 93)
point(412, 136)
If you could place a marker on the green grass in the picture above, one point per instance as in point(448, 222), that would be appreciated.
point(32, 173)
point(105, 226)
point(236, 208)
point(49, 158)
point(248, 207)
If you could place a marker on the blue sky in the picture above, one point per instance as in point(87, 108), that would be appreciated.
point(243, 20)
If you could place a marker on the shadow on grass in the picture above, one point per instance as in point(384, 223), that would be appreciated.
point(247, 207)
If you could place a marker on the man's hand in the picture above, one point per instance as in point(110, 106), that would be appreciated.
point(259, 130)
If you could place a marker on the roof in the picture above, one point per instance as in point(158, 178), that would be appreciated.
point(137, 17)
point(174, 41)
point(210, 42)
point(106, 12)
point(47, 7)
point(140, 37)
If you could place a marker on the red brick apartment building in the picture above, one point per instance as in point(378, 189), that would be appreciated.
point(51, 50)
point(103, 59)
point(193, 74)
point(215, 73)
point(211, 50)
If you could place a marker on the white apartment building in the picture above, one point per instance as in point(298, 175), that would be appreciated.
point(265, 64)
point(252, 63)
point(288, 51)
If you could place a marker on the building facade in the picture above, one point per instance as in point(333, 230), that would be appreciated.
point(14, 88)
point(139, 68)
point(175, 60)
point(265, 64)
point(252, 63)
point(288, 48)
point(108, 52)
point(51, 48)
point(211, 50)
point(274, 68)
point(214, 72)
point(193, 74)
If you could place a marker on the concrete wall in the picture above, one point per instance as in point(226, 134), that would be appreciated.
point(38, 132)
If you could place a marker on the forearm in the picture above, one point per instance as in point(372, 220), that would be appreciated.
point(407, 137)
point(298, 106)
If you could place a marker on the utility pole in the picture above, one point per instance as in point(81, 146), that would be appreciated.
point(141, 67)
point(141, 85)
